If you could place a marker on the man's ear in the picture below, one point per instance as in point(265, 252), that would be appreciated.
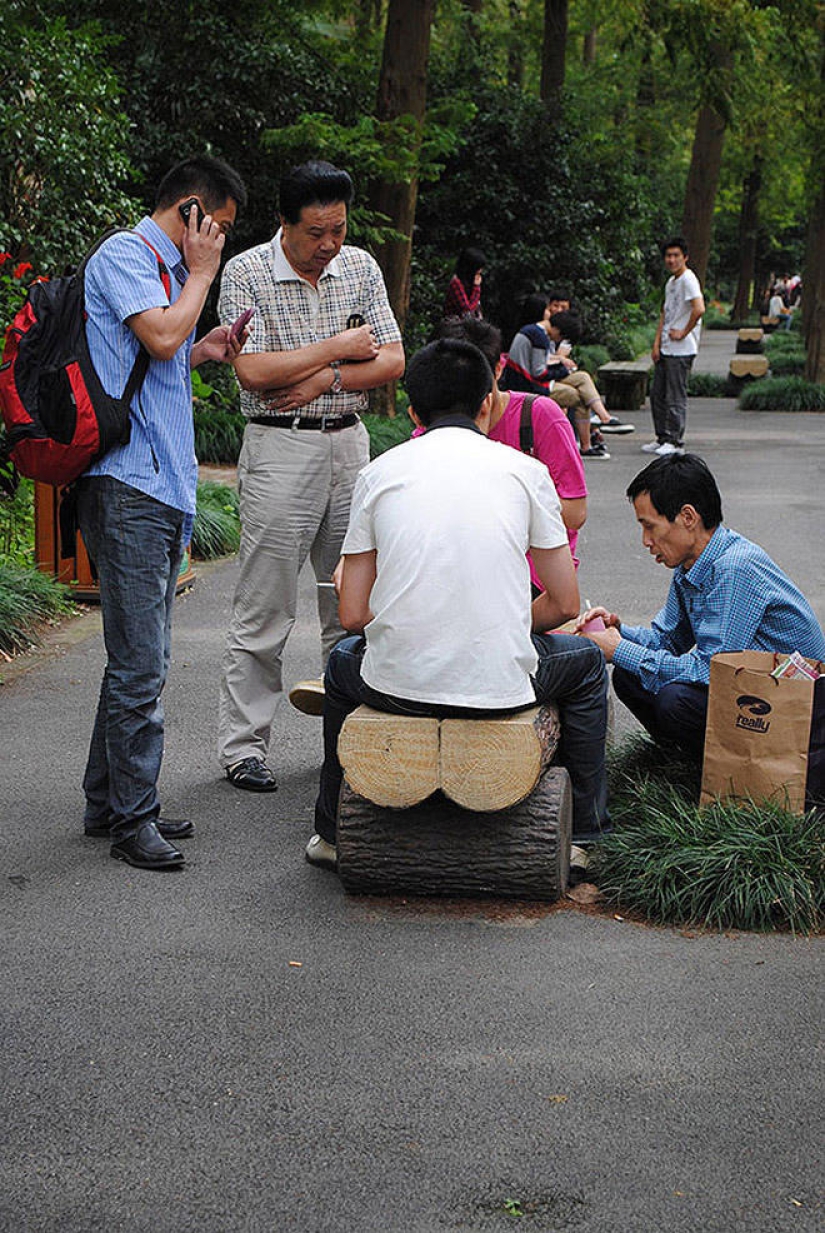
point(691, 517)
point(485, 411)
point(415, 418)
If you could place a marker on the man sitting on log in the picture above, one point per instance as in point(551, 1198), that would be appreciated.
point(435, 583)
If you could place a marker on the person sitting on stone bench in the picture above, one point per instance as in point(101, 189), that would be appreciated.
point(435, 584)
point(726, 595)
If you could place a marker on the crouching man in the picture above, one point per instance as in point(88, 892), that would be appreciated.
point(726, 595)
point(436, 582)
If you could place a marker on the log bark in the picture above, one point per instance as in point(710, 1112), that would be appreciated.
point(553, 52)
point(702, 183)
point(437, 848)
point(748, 235)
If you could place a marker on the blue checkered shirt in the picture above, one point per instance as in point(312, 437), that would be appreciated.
point(122, 279)
point(733, 598)
point(293, 314)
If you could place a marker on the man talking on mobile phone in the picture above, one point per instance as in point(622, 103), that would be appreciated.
point(322, 335)
point(146, 289)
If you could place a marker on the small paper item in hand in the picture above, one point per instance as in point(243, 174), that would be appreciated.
point(795, 666)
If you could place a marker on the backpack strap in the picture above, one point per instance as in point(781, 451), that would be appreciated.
point(525, 431)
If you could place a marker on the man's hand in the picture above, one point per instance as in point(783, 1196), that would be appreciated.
point(218, 345)
point(357, 344)
point(655, 352)
point(676, 335)
point(607, 640)
point(610, 619)
point(293, 397)
point(202, 246)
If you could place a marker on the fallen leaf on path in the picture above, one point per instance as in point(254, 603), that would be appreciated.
point(585, 892)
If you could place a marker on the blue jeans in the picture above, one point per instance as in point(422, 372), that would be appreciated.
point(676, 715)
point(135, 543)
point(570, 672)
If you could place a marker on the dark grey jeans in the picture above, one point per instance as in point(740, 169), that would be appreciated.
point(668, 397)
point(135, 543)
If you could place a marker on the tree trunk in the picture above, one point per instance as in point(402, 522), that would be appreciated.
point(645, 103)
point(748, 230)
point(700, 194)
point(402, 90)
point(589, 46)
point(554, 48)
point(515, 47)
point(813, 289)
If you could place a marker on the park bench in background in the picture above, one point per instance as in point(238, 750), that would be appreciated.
point(454, 806)
point(745, 368)
point(623, 384)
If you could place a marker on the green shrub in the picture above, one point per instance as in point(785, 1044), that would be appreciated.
point(218, 436)
point(590, 356)
point(217, 529)
point(17, 522)
point(27, 599)
point(783, 340)
point(385, 432)
point(782, 394)
point(707, 385)
point(725, 866)
point(788, 364)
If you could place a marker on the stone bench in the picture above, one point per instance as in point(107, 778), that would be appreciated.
point(750, 342)
point(623, 384)
point(460, 807)
point(745, 368)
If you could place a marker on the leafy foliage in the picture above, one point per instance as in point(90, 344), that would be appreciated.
point(707, 385)
point(27, 599)
point(217, 529)
point(742, 866)
point(782, 394)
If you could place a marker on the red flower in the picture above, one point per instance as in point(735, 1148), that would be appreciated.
point(5, 257)
point(22, 268)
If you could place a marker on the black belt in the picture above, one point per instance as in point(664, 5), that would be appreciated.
point(320, 423)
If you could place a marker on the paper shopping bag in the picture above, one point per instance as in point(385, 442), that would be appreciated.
point(758, 731)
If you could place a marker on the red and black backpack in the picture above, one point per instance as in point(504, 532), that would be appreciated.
point(57, 415)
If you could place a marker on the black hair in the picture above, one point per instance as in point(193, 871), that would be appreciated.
point(531, 309)
point(447, 377)
point(209, 179)
point(314, 183)
point(559, 294)
point(677, 480)
point(675, 241)
point(482, 334)
point(470, 261)
point(569, 323)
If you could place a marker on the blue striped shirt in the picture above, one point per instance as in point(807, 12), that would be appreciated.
point(733, 598)
point(122, 279)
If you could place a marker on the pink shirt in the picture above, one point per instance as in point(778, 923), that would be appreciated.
point(554, 444)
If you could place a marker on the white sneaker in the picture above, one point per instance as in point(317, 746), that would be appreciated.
point(652, 447)
point(319, 852)
point(667, 447)
point(308, 696)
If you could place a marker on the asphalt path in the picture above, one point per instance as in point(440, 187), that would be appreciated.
point(242, 1046)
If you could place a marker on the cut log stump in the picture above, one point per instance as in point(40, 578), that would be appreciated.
point(744, 366)
point(750, 342)
point(438, 848)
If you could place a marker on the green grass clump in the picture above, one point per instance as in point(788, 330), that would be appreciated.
point(788, 364)
point(707, 385)
point(217, 529)
point(725, 866)
point(590, 356)
point(784, 340)
point(385, 432)
point(218, 436)
point(27, 599)
point(782, 394)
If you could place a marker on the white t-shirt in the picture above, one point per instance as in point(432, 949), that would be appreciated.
point(776, 308)
point(452, 515)
point(678, 295)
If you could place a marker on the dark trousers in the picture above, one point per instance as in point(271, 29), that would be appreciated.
point(668, 397)
point(570, 672)
point(676, 715)
point(135, 542)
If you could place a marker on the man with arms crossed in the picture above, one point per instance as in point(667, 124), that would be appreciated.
point(436, 583)
point(322, 335)
point(137, 503)
point(726, 595)
point(674, 349)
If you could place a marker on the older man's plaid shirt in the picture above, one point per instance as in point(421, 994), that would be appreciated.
point(292, 314)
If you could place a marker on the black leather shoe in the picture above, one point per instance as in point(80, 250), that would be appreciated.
point(147, 850)
point(253, 775)
point(170, 828)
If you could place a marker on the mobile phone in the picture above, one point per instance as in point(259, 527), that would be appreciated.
point(237, 327)
point(354, 321)
point(186, 207)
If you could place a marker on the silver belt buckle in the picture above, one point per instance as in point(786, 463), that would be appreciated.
point(334, 421)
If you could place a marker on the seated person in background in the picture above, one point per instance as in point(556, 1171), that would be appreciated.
point(561, 345)
point(553, 441)
point(464, 291)
point(726, 595)
point(435, 584)
point(778, 309)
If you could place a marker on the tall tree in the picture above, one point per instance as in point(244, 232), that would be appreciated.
point(402, 91)
point(748, 235)
point(553, 52)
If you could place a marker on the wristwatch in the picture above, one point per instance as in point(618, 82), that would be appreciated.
point(337, 383)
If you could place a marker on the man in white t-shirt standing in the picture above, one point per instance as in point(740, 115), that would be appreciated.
point(674, 349)
point(435, 583)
